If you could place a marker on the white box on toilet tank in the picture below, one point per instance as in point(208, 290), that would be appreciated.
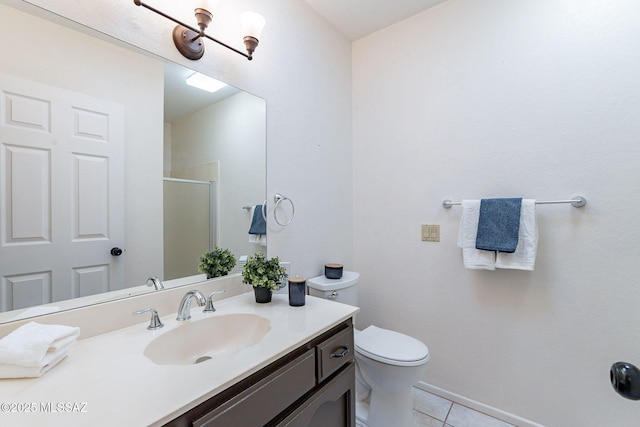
point(342, 290)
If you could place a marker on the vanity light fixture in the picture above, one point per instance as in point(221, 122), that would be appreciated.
point(188, 39)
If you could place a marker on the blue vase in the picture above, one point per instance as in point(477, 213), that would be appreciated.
point(297, 291)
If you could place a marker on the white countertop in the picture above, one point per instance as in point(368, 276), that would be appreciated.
point(107, 381)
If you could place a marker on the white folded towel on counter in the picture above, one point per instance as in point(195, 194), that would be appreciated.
point(36, 345)
point(524, 258)
point(473, 258)
point(49, 361)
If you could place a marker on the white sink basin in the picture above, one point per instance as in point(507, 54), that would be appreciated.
point(201, 340)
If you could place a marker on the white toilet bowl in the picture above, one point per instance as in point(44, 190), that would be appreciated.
point(388, 363)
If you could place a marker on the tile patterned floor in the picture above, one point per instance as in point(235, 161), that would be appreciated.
point(430, 410)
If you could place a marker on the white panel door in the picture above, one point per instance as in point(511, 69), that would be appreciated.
point(61, 194)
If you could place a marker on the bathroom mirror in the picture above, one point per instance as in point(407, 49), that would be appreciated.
point(172, 139)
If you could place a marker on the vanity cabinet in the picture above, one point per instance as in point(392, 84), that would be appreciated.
point(312, 386)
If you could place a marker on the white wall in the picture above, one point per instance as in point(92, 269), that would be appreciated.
point(496, 98)
point(231, 132)
point(470, 99)
point(302, 68)
point(80, 63)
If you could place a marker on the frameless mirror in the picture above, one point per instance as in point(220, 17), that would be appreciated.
point(113, 170)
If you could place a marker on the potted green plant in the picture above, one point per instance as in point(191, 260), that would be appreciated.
point(265, 275)
point(216, 263)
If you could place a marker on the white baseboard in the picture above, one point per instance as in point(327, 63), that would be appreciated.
point(480, 407)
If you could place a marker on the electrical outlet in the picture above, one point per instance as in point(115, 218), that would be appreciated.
point(430, 232)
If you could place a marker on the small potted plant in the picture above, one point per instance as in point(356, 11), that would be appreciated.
point(265, 275)
point(216, 263)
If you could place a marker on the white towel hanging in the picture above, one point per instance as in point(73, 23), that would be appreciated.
point(524, 258)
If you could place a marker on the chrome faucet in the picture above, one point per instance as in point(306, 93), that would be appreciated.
point(184, 311)
point(210, 308)
point(154, 281)
point(155, 322)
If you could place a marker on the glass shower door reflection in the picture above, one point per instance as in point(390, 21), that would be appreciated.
point(189, 218)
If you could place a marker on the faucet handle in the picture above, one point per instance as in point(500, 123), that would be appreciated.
point(210, 308)
point(155, 319)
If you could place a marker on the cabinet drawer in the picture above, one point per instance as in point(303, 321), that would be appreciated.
point(264, 400)
point(334, 353)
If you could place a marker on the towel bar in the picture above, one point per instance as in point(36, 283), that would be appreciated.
point(576, 202)
point(264, 212)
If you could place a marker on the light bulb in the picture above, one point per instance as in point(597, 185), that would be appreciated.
point(209, 5)
point(252, 24)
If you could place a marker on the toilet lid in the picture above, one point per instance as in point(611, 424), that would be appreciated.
point(323, 283)
point(391, 347)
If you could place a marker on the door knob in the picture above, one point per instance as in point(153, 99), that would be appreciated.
point(116, 251)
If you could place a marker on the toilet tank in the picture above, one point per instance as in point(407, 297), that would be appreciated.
point(343, 290)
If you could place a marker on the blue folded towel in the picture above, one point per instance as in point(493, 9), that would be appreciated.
point(258, 223)
point(498, 225)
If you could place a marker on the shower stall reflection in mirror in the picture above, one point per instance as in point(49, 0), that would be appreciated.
point(189, 224)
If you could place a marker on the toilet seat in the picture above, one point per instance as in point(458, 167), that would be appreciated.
point(391, 347)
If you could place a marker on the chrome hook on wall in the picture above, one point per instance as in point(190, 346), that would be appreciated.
point(279, 198)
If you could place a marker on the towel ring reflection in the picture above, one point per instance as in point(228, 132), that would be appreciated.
point(264, 210)
point(279, 198)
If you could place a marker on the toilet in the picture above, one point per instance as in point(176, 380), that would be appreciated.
point(388, 363)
